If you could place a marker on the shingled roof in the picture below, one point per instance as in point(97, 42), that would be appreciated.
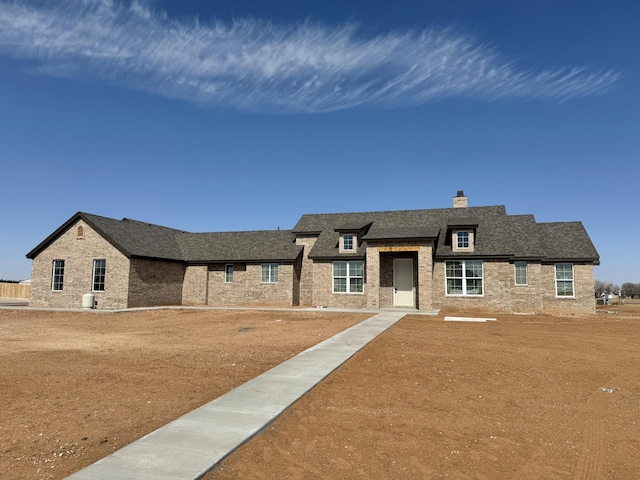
point(145, 240)
point(497, 235)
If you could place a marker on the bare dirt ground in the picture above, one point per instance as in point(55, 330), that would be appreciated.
point(76, 386)
point(526, 397)
point(520, 398)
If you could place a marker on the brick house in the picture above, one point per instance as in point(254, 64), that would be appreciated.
point(423, 259)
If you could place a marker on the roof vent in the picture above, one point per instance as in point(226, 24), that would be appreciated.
point(460, 200)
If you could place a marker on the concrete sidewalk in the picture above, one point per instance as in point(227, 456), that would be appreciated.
point(195, 443)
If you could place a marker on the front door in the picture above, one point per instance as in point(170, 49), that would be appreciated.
point(403, 282)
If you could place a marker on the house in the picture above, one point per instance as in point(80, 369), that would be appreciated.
point(423, 259)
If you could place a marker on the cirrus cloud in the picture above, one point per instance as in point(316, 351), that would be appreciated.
point(256, 65)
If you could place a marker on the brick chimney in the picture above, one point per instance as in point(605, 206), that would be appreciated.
point(460, 200)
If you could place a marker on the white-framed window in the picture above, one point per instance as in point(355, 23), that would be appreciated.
point(348, 277)
point(564, 280)
point(99, 274)
point(347, 241)
point(463, 239)
point(521, 273)
point(57, 276)
point(464, 277)
point(228, 273)
point(269, 273)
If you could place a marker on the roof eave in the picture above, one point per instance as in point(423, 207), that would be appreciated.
point(65, 226)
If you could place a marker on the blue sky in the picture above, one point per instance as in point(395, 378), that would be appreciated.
point(244, 115)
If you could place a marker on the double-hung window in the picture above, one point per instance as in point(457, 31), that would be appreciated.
point(347, 242)
point(564, 280)
point(521, 273)
point(463, 239)
point(464, 277)
point(269, 273)
point(57, 276)
point(348, 276)
point(99, 274)
point(228, 273)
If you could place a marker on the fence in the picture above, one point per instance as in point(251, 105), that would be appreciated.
point(14, 290)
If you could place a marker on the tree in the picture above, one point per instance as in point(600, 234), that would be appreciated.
point(600, 287)
point(631, 290)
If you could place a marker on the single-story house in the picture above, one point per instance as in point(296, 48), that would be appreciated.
point(422, 259)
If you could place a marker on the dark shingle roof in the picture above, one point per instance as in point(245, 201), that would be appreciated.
point(567, 241)
point(140, 239)
point(497, 235)
point(268, 245)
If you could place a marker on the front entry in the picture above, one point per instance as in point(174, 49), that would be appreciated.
point(403, 282)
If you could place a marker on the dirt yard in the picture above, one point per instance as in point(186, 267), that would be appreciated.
point(522, 398)
point(74, 387)
point(526, 397)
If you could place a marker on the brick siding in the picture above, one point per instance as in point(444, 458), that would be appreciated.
point(155, 282)
point(78, 254)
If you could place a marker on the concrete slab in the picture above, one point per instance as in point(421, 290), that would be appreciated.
point(468, 319)
point(195, 443)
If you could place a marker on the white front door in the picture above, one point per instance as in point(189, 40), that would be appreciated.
point(403, 282)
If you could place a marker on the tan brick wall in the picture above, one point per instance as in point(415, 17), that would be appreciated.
point(247, 288)
point(194, 289)
point(584, 301)
point(78, 254)
point(380, 272)
point(306, 286)
point(323, 295)
point(155, 282)
point(502, 294)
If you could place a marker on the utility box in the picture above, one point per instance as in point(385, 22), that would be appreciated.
point(88, 301)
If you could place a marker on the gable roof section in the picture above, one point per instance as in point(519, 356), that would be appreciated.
point(144, 240)
point(567, 241)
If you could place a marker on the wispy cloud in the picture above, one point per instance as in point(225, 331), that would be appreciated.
point(256, 65)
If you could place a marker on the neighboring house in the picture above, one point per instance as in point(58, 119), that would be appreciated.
point(424, 259)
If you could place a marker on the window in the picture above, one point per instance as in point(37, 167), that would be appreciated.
point(521, 273)
point(348, 277)
point(464, 277)
point(99, 272)
point(564, 280)
point(347, 241)
point(463, 239)
point(228, 273)
point(269, 272)
point(57, 277)
point(80, 232)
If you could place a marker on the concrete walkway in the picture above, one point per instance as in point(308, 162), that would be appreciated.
point(195, 443)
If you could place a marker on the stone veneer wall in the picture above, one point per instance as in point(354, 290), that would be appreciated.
point(155, 283)
point(247, 288)
point(78, 254)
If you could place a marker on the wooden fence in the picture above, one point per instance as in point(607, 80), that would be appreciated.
point(14, 290)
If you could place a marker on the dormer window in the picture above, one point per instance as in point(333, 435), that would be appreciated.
point(463, 239)
point(347, 242)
